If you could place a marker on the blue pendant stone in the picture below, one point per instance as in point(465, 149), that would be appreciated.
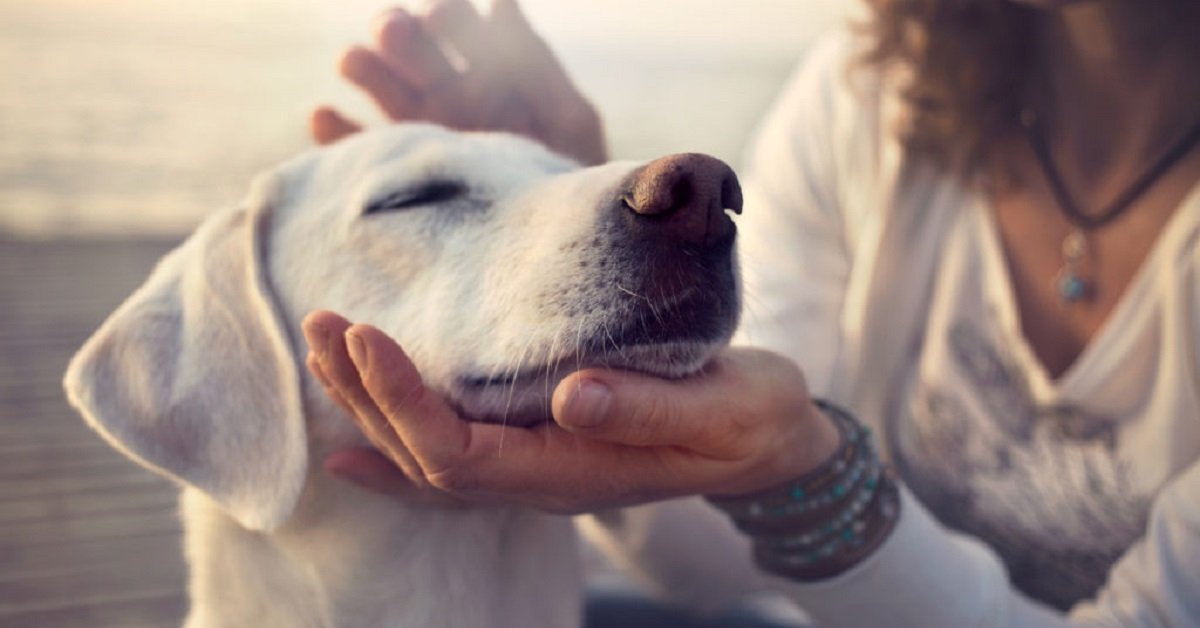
point(1071, 288)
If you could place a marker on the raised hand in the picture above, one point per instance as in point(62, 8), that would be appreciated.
point(453, 66)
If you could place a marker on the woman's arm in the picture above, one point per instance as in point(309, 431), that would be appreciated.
point(927, 576)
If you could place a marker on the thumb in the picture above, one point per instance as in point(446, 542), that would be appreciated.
point(640, 410)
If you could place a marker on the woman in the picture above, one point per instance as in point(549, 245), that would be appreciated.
point(974, 223)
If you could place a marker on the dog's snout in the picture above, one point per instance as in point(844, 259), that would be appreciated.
point(684, 197)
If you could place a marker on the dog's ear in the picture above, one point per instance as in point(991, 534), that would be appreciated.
point(194, 375)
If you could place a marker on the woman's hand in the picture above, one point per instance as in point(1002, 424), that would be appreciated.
point(508, 79)
point(744, 424)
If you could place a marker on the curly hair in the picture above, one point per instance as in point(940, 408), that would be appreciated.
point(967, 62)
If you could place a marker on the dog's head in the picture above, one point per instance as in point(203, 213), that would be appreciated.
point(496, 264)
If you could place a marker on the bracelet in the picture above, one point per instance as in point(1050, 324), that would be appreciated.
point(845, 550)
point(827, 520)
point(845, 519)
point(818, 489)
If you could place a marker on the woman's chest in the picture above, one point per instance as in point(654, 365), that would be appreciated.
point(1055, 473)
point(1066, 279)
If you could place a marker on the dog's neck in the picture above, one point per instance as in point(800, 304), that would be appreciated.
point(353, 559)
point(358, 558)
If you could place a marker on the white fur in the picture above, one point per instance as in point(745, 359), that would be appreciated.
point(199, 376)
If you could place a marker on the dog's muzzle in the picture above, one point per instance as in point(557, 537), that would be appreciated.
point(661, 298)
point(681, 200)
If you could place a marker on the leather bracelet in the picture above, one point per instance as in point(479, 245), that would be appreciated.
point(815, 490)
point(827, 520)
point(842, 552)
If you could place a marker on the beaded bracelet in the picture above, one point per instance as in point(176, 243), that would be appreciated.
point(832, 526)
point(851, 545)
point(794, 526)
point(818, 489)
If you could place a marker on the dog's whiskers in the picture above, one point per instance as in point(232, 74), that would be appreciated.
point(630, 292)
point(613, 341)
point(513, 374)
point(548, 370)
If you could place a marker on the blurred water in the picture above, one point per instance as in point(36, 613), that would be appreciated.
point(136, 116)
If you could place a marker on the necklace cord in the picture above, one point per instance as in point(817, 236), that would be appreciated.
point(1037, 140)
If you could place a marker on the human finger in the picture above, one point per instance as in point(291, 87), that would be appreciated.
point(410, 50)
point(513, 116)
point(459, 23)
point(546, 467)
point(325, 332)
point(327, 125)
point(640, 410)
point(572, 125)
point(540, 68)
point(313, 362)
point(396, 390)
point(746, 416)
point(391, 92)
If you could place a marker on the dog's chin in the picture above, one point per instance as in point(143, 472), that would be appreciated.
point(522, 399)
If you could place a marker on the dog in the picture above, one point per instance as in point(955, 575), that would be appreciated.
point(499, 267)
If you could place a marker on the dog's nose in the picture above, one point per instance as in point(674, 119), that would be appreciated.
point(684, 197)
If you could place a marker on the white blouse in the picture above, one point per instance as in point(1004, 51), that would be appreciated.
point(884, 279)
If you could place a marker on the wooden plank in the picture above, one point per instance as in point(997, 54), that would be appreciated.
point(152, 608)
point(43, 591)
point(56, 486)
point(87, 538)
point(38, 509)
point(75, 554)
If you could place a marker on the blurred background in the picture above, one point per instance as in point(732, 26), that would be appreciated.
point(124, 122)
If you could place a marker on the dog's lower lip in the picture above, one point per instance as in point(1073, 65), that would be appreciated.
point(498, 380)
point(513, 421)
point(545, 372)
point(550, 373)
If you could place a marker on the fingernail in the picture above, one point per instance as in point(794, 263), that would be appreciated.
point(588, 407)
point(357, 349)
point(317, 337)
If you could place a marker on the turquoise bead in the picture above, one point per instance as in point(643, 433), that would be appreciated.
point(1071, 287)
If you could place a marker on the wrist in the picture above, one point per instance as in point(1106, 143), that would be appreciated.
point(823, 441)
point(827, 519)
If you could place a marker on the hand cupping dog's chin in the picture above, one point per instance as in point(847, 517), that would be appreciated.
point(522, 399)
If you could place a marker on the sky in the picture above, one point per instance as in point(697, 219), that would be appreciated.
point(142, 115)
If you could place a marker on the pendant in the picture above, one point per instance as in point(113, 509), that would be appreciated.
point(1072, 286)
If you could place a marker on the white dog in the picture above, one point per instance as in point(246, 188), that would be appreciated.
point(497, 265)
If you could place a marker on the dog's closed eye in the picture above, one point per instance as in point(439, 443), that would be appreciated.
point(426, 193)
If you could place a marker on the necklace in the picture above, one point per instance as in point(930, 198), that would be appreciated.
point(1071, 281)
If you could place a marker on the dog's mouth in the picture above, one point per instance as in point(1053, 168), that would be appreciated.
point(672, 348)
point(667, 359)
point(664, 309)
point(522, 398)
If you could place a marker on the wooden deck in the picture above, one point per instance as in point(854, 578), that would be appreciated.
point(87, 538)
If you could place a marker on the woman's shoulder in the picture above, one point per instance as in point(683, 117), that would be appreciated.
point(832, 81)
point(826, 144)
